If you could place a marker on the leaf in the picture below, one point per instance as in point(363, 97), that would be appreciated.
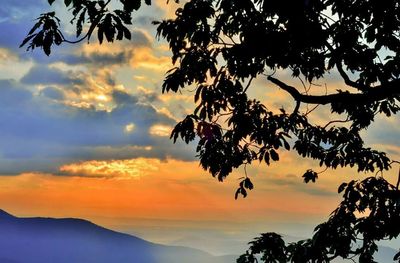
point(47, 42)
point(237, 193)
point(266, 158)
point(310, 175)
point(67, 2)
point(120, 34)
point(274, 155)
point(26, 40)
point(342, 187)
point(80, 22)
point(100, 34)
point(397, 256)
point(108, 27)
point(93, 26)
point(36, 26)
point(127, 33)
point(286, 145)
point(243, 192)
point(198, 92)
point(248, 184)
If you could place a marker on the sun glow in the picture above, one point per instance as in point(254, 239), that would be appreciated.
point(160, 130)
point(129, 128)
point(123, 169)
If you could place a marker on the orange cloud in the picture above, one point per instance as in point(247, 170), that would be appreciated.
point(146, 59)
point(160, 130)
point(125, 169)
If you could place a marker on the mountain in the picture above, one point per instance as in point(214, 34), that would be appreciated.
point(45, 240)
point(48, 240)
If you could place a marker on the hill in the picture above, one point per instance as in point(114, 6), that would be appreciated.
point(48, 240)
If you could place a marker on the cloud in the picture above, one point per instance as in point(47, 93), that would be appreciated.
point(53, 93)
point(145, 58)
point(129, 128)
point(78, 88)
point(99, 59)
point(123, 98)
point(96, 55)
point(42, 134)
point(123, 169)
point(82, 103)
point(41, 74)
point(161, 130)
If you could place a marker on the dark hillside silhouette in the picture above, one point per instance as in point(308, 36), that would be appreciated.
point(49, 240)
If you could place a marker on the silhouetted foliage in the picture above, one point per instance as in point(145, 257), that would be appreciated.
point(378, 203)
point(220, 47)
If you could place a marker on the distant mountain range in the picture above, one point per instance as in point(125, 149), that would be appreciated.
point(69, 240)
point(49, 240)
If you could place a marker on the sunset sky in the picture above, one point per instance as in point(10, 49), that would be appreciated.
point(85, 133)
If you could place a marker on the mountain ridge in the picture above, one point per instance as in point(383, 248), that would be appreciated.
point(62, 240)
point(65, 240)
point(5, 215)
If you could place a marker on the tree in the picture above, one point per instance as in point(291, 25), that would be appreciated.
point(220, 46)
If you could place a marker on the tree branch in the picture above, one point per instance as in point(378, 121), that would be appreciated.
point(378, 93)
point(347, 79)
point(336, 121)
point(91, 28)
point(343, 74)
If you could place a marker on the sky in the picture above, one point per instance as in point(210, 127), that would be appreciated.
point(85, 133)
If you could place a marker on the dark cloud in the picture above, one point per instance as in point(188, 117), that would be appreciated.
point(148, 95)
point(297, 183)
point(42, 74)
point(123, 98)
point(98, 59)
point(144, 20)
point(139, 39)
point(315, 190)
point(52, 93)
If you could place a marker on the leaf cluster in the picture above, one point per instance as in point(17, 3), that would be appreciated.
point(369, 212)
point(88, 16)
point(219, 45)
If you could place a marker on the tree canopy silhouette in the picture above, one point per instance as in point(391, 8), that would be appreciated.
point(220, 46)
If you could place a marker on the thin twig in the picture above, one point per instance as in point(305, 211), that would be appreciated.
point(336, 121)
point(323, 171)
point(91, 28)
point(313, 109)
point(248, 85)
